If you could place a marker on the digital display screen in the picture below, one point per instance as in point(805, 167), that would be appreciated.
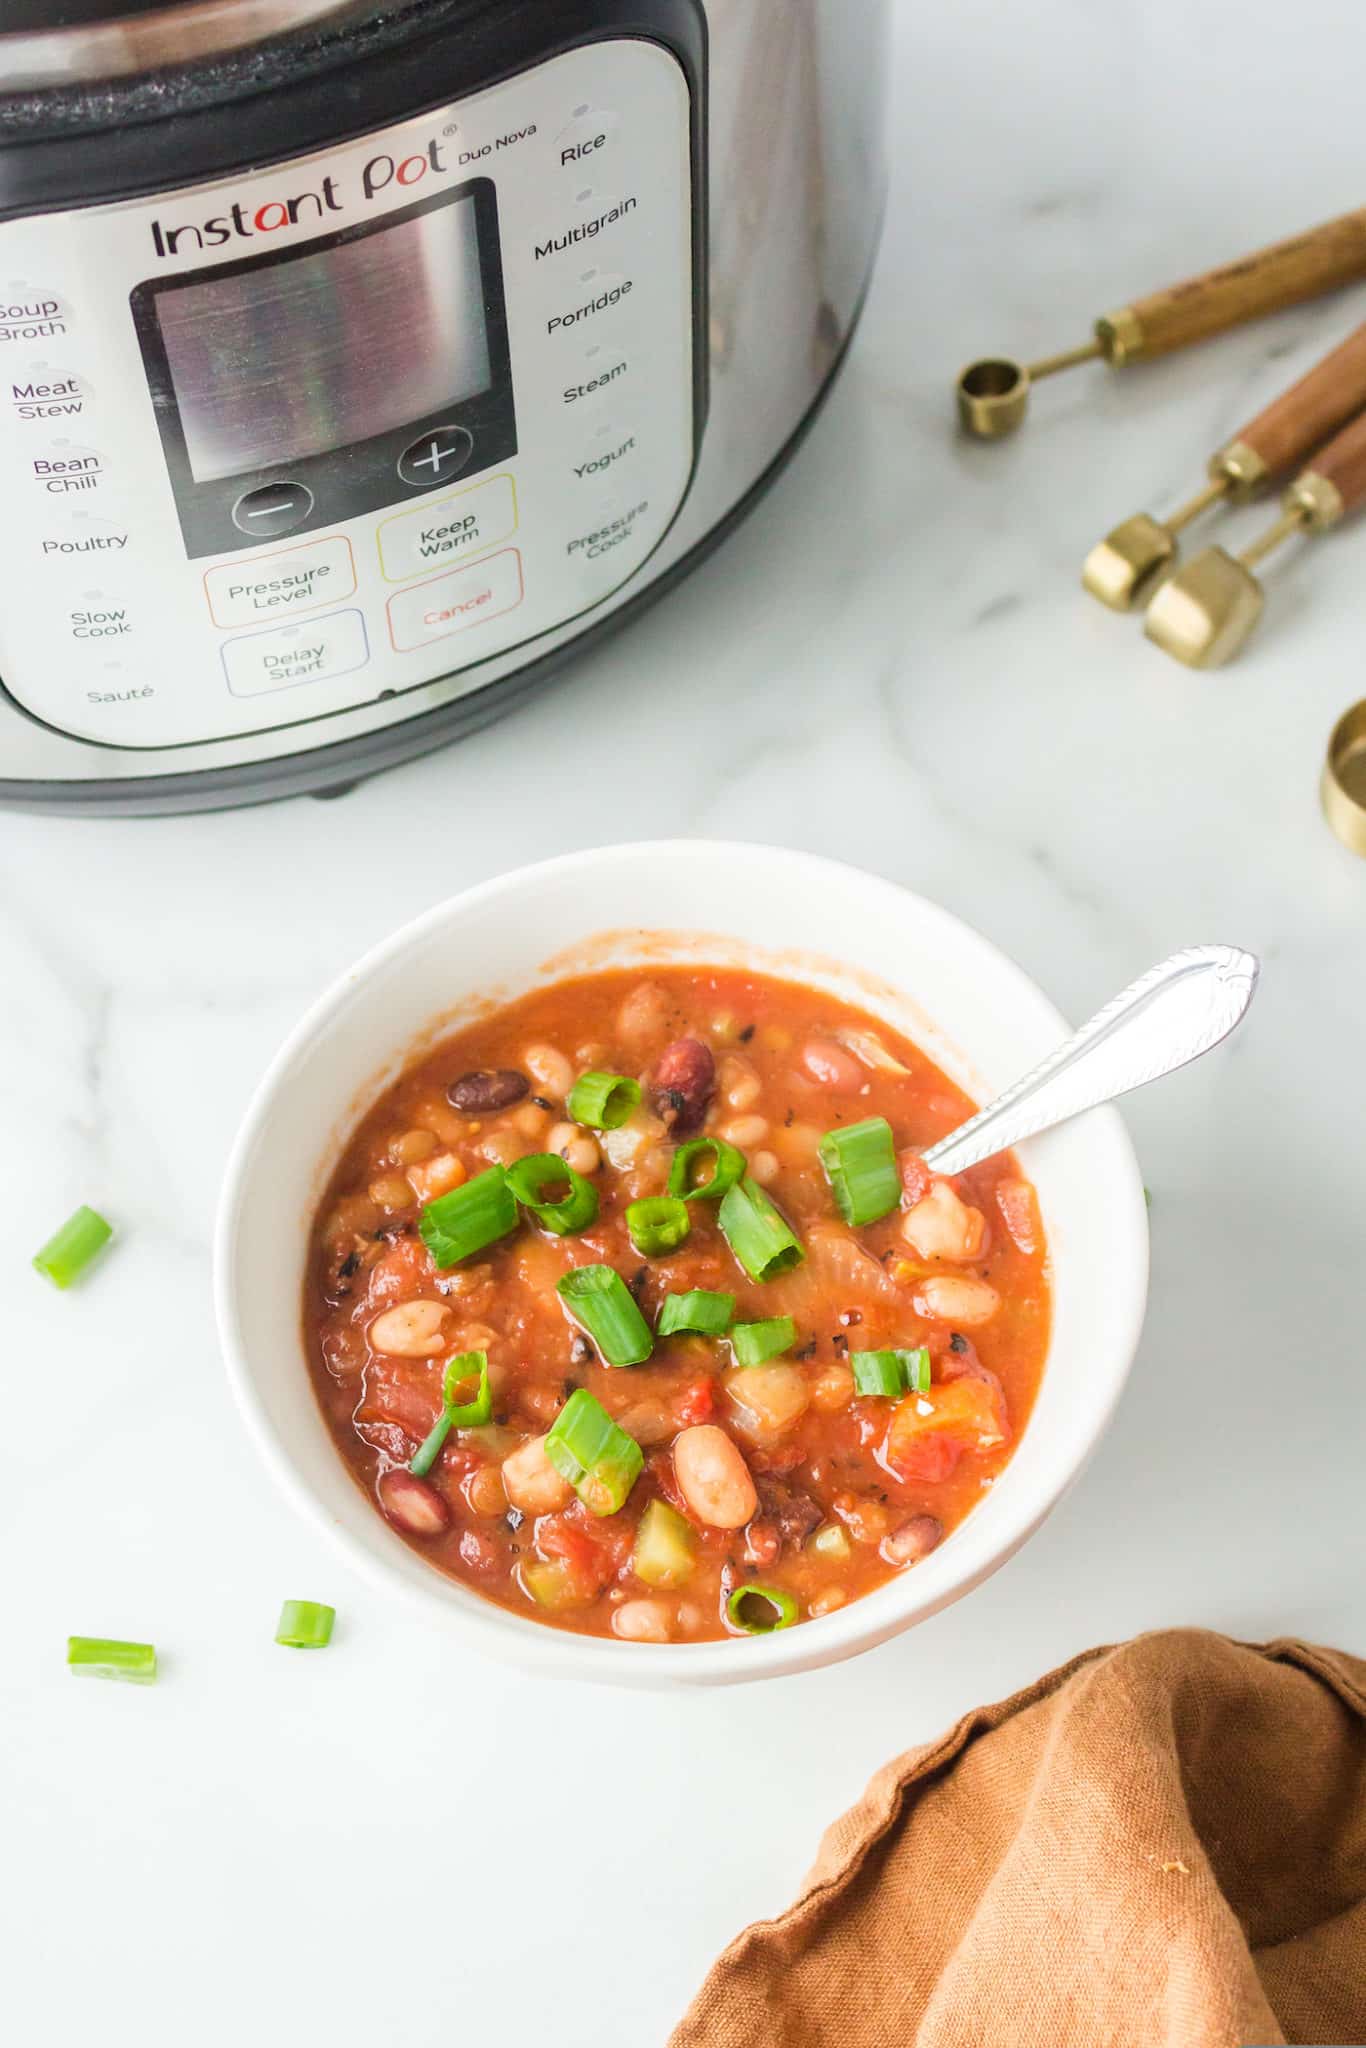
point(303, 354)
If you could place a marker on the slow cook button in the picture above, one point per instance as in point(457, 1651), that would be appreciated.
point(451, 603)
point(464, 524)
point(297, 579)
point(285, 655)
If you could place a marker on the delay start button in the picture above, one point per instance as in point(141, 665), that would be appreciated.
point(286, 655)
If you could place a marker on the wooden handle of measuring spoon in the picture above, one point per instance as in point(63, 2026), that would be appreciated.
point(1318, 261)
point(1304, 417)
point(1343, 465)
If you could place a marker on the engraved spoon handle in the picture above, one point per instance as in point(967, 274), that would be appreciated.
point(1172, 1014)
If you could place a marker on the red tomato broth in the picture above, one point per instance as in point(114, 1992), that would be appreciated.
point(867, 1465)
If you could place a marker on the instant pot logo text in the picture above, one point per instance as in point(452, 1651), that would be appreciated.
point(382, 173)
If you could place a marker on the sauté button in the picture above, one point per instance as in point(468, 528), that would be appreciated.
point(440, 453)
point(272, 509)
point(285, 655)
point(451, 603)
point(465, 523)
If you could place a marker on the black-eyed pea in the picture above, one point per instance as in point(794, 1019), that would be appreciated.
point(411, 1329)
point(644, 1621)
point(549, 1069)
point(575, 1147)
point(531, 1120)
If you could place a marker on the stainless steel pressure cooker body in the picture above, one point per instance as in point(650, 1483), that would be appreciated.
point(358, 363)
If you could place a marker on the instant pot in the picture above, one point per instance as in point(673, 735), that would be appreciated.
point(357, 363)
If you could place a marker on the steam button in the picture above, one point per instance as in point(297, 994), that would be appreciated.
point(440, 453)
point(272, 509)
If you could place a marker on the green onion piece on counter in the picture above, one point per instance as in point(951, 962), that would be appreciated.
point(758, 1233)
point(97, 1657)
point(699, 1311)
point(461, 1223)
point(758, 1610)
point(860, 1165)
point(728, 1166)
point(831, 1543)
point(575, 1205)
point(605, 1309)
point(472, 1414)
point(753, 1343)
point(889, 1374)
point(69, 1250)
point(305, 1625)
point(666, 1547)
point(658, 1224)
point(600, 1461)
point(602, 1100)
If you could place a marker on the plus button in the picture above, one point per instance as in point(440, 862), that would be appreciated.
point(439, 453)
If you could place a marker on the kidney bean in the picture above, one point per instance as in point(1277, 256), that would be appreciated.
point(829, 1064)
point(413, 1504)
point(487, 1089)
point(913, 1540)
point(682, 1083)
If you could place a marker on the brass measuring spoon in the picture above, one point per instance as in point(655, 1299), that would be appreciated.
point(1204, 613)
point(1122, 570)
point(993, 394)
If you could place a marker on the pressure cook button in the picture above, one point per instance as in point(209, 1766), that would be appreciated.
point(272, 509)
point(440, 453)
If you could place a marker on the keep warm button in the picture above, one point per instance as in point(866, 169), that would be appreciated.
point(447, 529)
point(285, 655)
point(450, 603)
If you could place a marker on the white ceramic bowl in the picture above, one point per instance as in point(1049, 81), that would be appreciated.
point(813, 920)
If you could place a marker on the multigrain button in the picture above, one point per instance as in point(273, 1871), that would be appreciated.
point(246, 593)
point(435, 456)
point(272, 509)
point(445, 529)
point(285, 655)
point(452, 603)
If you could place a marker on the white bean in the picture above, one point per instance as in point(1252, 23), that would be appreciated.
point(941, 1226)
point(643, 1621)
point(575, 1147)
point(955, 1300)
point(713, 1477)
point(413, 1329)
point(745, 1131)
point(549, 1069)
point(740, 1085)
point(763, 1167)
point(531, 1481)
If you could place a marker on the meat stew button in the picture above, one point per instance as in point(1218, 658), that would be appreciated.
point(453, 602)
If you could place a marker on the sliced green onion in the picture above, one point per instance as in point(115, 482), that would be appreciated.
point(891, 1373)
point(429, 1450)
point(602, 1100)
point(657, 1224)
point(604, 1308)
point(860, 1165)
point(98, 1657)
point(706, 1314)
point(665, 1548)
point(758, 1610)
point(752, 1343)
point(831, 1543)
point(305, 1625)
point(456, 1225)
point(69, 1250)
point(757, 1232)
point(728, 1165)
point(467, 1365)
point(574, 1208)
point(600, 1461)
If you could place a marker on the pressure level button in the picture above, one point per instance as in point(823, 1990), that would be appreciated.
point(272, 509)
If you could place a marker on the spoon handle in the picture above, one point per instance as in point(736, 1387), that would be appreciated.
point(1172, 1014)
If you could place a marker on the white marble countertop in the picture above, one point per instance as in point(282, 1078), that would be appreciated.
point(266, 1846)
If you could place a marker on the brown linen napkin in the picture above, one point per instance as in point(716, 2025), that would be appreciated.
point(1157, 1846)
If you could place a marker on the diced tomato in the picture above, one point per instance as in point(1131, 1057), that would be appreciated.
point(915, 1177)
point(401, 1394)
point(1020, 1213)
point(562, 1536)
point(928, 1433)
point(696, 1404)
point(406, 1269)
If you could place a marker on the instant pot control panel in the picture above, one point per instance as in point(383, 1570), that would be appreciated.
point(277, 446)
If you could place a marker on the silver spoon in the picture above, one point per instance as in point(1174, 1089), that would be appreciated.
point(1172, 1014)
